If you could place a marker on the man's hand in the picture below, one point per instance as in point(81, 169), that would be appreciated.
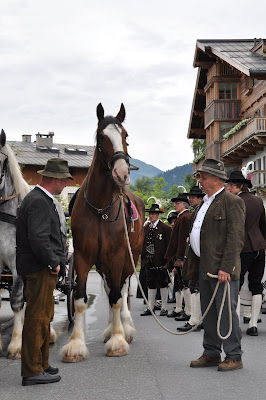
point(56, 271)
point(178, 263)
point(223, 276)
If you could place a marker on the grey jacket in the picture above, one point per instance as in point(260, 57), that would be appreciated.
point(222, 236)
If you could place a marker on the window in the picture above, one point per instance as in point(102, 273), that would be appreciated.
point(225, 127)
point(227, 91)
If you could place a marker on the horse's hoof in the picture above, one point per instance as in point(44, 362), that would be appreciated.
point(14, 356)
point(73, 359)
point(116, 353)
point(129, 339)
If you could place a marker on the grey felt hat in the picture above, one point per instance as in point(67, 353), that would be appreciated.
point(213, 167)
point(56, 168)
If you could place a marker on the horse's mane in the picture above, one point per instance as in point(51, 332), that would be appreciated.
point(20, 185)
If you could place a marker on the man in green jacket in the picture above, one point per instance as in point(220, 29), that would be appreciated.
point(216, 240)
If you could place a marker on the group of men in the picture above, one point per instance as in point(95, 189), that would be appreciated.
point(224, 236)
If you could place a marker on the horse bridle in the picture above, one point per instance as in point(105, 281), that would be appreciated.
point(118, 155)
point(4, 169)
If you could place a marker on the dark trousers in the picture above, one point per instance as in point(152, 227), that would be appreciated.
point(254, 263)
point(156, 277)
point(211, 342)
point(39, 288)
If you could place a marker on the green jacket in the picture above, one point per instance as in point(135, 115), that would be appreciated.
point(221, 239)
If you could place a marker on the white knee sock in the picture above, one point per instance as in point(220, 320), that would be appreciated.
point(178, 299)
point(255, 309)
point(164, 295)
point(187, 298)
point(152, 297)
point(195, 309)
point(247, 311)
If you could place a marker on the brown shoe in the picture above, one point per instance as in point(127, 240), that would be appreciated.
point(205, 361)
point(229, 364)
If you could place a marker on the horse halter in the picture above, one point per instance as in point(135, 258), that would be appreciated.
point(118, 155)
point(4, 169)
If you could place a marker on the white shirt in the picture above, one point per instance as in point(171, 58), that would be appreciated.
point(155, 224)
point(195, 232)
point(60, 212)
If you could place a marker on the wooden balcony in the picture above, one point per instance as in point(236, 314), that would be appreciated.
point(245, 142)
point(222, 110)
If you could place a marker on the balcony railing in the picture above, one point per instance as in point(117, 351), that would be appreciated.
point(222, 110)
point(253, 127)
point(258, 179)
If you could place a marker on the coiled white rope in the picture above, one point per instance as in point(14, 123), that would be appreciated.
point(226, 289)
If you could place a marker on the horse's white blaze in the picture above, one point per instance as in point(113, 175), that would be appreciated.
point(126, 318)
point(76, 344)
point(120, 170)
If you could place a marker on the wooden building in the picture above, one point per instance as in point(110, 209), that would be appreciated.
point(229, 105)
point(33, 155)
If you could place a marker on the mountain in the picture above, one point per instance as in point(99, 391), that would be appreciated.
point(144, 170)
point(175, 176)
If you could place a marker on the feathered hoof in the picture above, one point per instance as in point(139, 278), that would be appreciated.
point(53, 336)
point(14, 356)
point(73, 359)
point(117, 346)
point(129, 338)
point(117, 353)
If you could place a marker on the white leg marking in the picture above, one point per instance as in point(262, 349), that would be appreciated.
point(76, 349)
point(117, 346)
point(126, 318)
point(108, 331)
point(14, 348)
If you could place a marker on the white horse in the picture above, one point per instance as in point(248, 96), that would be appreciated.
point(13, 188)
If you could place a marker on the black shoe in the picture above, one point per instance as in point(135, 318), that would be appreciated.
point(146, 312)
point(174, 314)
point(247, 319)
point(157, 306)
point(252, 331)
point(187, 327)
point(183, 317)
point(43, 377)
point(51, 370)
point(163, 312)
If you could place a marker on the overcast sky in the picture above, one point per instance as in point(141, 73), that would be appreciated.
point(60, 58)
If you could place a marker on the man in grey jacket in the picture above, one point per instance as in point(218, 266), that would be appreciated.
point(216, 239)
point(40, 256)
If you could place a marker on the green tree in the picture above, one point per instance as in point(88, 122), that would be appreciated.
point(198, 147)
point(190, 181)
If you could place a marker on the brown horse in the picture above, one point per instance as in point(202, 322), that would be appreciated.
point(99, 237)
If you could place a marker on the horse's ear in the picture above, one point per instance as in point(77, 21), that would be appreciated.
point(122, 113)
point(100, 112)
point(3, 138)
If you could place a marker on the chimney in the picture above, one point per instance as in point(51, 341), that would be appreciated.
point(26, 138)
point(44, 140)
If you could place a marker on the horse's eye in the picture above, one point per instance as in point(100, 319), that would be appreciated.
point(127, 143)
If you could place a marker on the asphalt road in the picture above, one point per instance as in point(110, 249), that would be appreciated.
point(157, 367)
